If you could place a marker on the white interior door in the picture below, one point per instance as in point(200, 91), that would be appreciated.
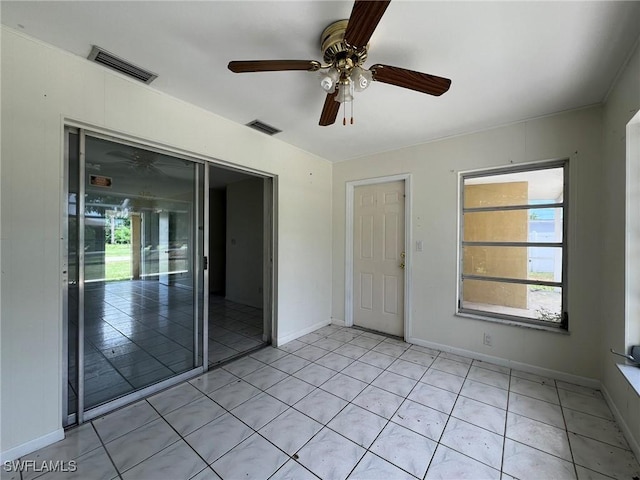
point(378, 257)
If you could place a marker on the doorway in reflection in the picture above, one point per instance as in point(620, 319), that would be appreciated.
point(239, 263)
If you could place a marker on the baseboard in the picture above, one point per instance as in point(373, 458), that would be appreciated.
point(292, 336)
point(525, 367)
point(633, 442)
point(338, 321)
point(31, 446)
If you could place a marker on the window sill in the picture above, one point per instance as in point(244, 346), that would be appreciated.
point(514, 323)
point(632, 374)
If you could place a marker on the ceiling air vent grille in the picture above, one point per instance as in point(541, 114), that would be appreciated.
point(107, 59)
point(263, 127)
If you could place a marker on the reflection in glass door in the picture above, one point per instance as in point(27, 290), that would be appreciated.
point(136, 308)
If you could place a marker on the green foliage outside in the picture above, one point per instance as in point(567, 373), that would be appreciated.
point(122, 232)
point(548, 316)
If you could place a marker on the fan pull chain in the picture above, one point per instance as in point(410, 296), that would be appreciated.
point(344, 113)
point(352, 111)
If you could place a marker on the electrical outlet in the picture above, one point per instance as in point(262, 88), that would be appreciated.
point(487, 340)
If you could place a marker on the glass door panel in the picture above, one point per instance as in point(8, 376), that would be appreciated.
point(142, 284)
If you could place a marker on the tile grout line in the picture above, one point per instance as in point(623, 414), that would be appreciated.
point(326, 425)
point(154, 453)
point(566, 430)
point(181, 438)
point(104, 447)
point(506, 422)
point(366, 449)
point(406, 397)
point(388, 421)
point(448, 416)
point(458, 395)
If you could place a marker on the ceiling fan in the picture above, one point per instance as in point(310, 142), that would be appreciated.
point(142, 161)
point(345, 48)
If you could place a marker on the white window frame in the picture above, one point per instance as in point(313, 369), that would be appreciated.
point(563, 325)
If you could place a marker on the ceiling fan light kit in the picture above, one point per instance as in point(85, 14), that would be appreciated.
point(329, 79)
point(345, 47)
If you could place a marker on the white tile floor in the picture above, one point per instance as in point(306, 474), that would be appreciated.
point(342, 403)
point(140, 332)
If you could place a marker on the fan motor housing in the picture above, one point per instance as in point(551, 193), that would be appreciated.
point(335, 50)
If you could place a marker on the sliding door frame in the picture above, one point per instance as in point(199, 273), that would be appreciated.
point(200, 360)
point(200, 265)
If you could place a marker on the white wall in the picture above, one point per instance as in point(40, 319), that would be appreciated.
point(244, 242)
point(434, 169)
point(41, 86)
point(623, 102)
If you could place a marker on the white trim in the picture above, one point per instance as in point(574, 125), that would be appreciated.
point(267, 263)
point(632, 239)
point(632, 375)
point(292, 336)
point(514, 323)
point(527, 166)
point(621, 70)
point(525, 367)
point(273, 261)
point(32, 445)
point(408, 235)
point(633, 442)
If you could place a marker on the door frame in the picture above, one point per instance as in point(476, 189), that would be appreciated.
point(348, 290)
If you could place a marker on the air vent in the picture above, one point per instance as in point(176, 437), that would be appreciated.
point(263, 127)
point(107, 59)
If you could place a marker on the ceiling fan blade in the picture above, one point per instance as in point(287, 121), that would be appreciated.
point(330, 110)
point(153, 170)
point(126, 158)
point(401, 77)
point(244, 66)
point(363, 21)
point(120, 154)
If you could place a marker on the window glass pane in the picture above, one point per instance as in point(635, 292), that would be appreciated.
point(526, 225)
point(521, 263)
point(520, 188)
point(528, 301)
point(140, 232)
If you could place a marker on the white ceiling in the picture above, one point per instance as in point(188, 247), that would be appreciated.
point(508, 61)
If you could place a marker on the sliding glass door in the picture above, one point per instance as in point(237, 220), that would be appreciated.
point(135, 296)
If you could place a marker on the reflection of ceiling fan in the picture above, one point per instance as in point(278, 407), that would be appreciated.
point(344, 48)
point(142, 161)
